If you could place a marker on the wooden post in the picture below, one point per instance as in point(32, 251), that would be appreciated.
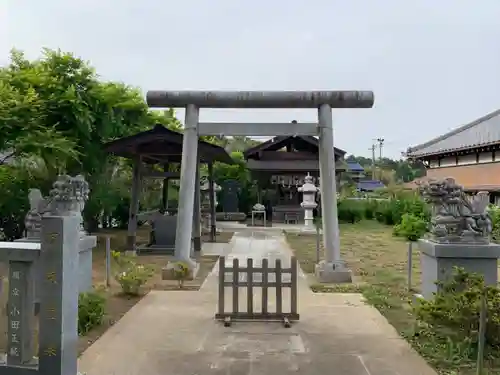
point(196, 231)
point(410, 264)
point(279, 294)
point(211, 192)
point(108, 261)
point(250, 286)
point(134, 205)
point(265, 280)
point(222, 279)
point(236, 279)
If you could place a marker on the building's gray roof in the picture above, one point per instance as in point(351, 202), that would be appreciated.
point(481, 132)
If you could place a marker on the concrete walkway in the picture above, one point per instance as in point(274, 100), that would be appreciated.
point(171, 333)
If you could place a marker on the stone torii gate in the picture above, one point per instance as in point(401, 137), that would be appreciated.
point(332, 268)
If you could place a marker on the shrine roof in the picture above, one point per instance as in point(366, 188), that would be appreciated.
point(484, 131)
point(162, 145)
point(300, 142)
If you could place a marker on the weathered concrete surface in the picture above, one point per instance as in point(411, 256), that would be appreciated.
point(171, 333)
point(260, 99)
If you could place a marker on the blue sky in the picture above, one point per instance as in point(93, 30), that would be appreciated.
point(433, 65)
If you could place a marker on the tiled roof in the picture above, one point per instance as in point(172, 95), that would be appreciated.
point(481, 132)
point(355, 167)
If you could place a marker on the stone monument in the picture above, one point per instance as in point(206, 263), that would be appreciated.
point(308, 191)
point(162, 237)
point(67, 198)
point(55, 255)
point(230, 189)
point(459, 235)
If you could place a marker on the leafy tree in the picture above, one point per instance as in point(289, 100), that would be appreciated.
point(57, 111)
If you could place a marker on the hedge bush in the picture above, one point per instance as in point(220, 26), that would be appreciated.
point(453, 315)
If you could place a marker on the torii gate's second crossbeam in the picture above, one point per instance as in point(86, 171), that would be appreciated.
point(331, 269)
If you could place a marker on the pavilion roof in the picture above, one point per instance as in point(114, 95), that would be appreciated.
point(162, 145)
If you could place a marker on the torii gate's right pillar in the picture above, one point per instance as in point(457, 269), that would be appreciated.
point(331, 269)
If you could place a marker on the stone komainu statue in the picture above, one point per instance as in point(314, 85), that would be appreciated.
point(457, 217)
point(67, 197)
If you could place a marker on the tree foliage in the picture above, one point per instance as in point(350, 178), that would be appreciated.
point(389, 170)
point(56, 112)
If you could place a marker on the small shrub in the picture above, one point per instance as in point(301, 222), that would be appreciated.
point(383, 213)
point(454, 312)
point(370, 208)
point(181, 272)
point(131, 276)
point(411, 227)
point(91, 311)
point(350, 211)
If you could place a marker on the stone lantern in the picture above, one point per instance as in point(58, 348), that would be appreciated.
point(205, 204)
point(308, 191)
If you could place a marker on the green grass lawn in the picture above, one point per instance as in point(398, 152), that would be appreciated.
point(379, 263)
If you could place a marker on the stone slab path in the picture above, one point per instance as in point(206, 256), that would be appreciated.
point(174, 333)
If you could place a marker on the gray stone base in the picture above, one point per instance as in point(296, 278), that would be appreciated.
point(439, 259)
point(155, 250)
point(167, 273)
point(333, 272)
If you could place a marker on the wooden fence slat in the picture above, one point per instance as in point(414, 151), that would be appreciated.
point(222, 279)
point(236, 278)
point(279, 294)
point(250, 286)
point(265, 275)
point(293, 287)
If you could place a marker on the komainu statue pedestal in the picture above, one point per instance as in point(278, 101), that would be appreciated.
point(437, 261)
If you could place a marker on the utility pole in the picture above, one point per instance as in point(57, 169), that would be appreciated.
point(380, 145)
point(374, 146)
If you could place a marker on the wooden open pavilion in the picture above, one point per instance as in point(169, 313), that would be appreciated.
point(162, 146)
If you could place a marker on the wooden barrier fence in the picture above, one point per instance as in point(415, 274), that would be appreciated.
point(271, 277)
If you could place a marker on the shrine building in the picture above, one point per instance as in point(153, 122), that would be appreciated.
point(280, 165)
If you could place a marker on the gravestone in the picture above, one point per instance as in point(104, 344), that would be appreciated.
point(459, 235)
point(74, 191)
point(230, 190)
point(163, 228)
point(56, 257)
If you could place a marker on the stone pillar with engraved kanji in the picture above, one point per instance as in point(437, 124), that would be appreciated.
point(58, 337)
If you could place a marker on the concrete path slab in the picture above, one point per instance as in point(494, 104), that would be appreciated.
point(174, 333)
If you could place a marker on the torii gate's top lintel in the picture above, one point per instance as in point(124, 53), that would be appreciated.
point(260, 99)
